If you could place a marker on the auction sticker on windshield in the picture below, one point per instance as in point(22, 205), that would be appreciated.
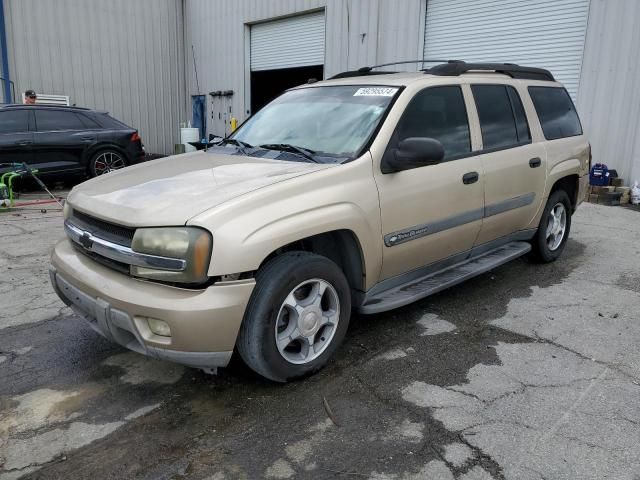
point(375, 92)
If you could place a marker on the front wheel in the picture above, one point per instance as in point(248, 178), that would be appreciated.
point(296, 318)
point(106, 161)
point(553, 231)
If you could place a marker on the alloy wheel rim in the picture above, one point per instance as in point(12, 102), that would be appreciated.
point(307, 321)
point(556, 226)
point(108, 162)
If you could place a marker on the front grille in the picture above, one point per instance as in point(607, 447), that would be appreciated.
point(108, 231)
point(107, 262)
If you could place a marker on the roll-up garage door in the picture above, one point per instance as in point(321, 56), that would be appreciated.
point(287, 43)
point(539, 33)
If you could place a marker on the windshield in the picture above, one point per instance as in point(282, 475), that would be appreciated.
point(333, 123)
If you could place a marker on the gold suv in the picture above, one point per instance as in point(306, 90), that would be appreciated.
point(365, 192)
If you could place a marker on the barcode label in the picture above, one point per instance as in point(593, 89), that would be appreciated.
point(375, 92)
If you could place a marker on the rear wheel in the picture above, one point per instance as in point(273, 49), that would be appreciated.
point(106, 161)
point(553, 231)
point(297, 316)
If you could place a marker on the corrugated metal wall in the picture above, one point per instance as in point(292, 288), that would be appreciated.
point(123, 56)
point(358, 33)
point(609, 95)
point(542, 33)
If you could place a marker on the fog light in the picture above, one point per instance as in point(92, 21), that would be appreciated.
point(159, 327)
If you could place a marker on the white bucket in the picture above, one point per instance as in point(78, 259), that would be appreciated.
point(189, 135)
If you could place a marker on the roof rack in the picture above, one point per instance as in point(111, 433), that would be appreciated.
point(368, 70)
point(458, 67)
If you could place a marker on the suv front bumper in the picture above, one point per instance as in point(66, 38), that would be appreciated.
point(204, 323)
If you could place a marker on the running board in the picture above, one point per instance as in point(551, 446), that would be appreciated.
point(417, 289)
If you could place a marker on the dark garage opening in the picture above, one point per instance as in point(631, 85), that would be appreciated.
point(268, 84)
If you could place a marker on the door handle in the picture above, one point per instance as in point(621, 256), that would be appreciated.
point(535, 162)
point(24, 142)
point(469, 178)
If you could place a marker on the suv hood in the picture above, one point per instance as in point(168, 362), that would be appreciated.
point(173, 190)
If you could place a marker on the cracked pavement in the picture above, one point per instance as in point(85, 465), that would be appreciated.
point(526, 372)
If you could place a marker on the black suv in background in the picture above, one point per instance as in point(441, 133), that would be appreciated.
point(66, 140)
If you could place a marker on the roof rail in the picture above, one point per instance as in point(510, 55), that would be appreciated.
point(455, 68)
point(458, 67)
point(368, 70)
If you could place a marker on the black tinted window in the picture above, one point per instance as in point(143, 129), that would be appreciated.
point(497, 116)
point(47, 120)
point(107, 121)
point(522, 127)
point(87, 121)
point(14, 121)
point(557, 114)
point(439, 113)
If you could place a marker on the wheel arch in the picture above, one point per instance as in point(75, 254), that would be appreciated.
point(340, 246)
point(570, 184)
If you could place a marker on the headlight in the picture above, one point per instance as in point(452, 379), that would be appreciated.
point(66, 210)
point(187, 243)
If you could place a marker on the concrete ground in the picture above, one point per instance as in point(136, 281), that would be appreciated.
point(526, 372)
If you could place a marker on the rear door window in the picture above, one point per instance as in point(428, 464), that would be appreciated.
point(556, 111)
point(14, 121)
point(52, 120)
point(502, 119)
point(440, 113)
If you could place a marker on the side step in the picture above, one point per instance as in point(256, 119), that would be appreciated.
point(417, 289)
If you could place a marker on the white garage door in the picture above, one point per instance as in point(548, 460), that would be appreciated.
point(538, 33)
point(287, 43)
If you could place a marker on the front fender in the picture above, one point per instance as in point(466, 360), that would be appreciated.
point(232, 254)
point(248, 229)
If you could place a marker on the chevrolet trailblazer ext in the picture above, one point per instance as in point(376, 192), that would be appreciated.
point(368, 191)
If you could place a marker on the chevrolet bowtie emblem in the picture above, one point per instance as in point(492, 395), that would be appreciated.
point(86, 241)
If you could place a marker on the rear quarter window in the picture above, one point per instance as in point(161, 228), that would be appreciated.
point(107, 121)
point(556, 112)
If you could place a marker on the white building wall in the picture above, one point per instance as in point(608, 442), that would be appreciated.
point(358, 33)
point(609, 95)
point(126, 57)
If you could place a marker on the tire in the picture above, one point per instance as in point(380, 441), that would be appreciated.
point(106, 161)
point(546, 246)
point(273, 311)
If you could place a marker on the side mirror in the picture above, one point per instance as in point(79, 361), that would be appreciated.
point(413, 152)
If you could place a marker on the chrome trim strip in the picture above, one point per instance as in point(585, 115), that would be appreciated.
point(120, 253)
point(419, 231)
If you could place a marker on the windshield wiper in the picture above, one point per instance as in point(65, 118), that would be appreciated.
point(287, 147)
point(242, 146)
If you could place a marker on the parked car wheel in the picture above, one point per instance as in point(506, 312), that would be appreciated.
point(106, 161)
point(297, 316)
point(554, 228)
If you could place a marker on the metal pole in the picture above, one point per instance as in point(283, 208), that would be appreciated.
point(5, 55)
